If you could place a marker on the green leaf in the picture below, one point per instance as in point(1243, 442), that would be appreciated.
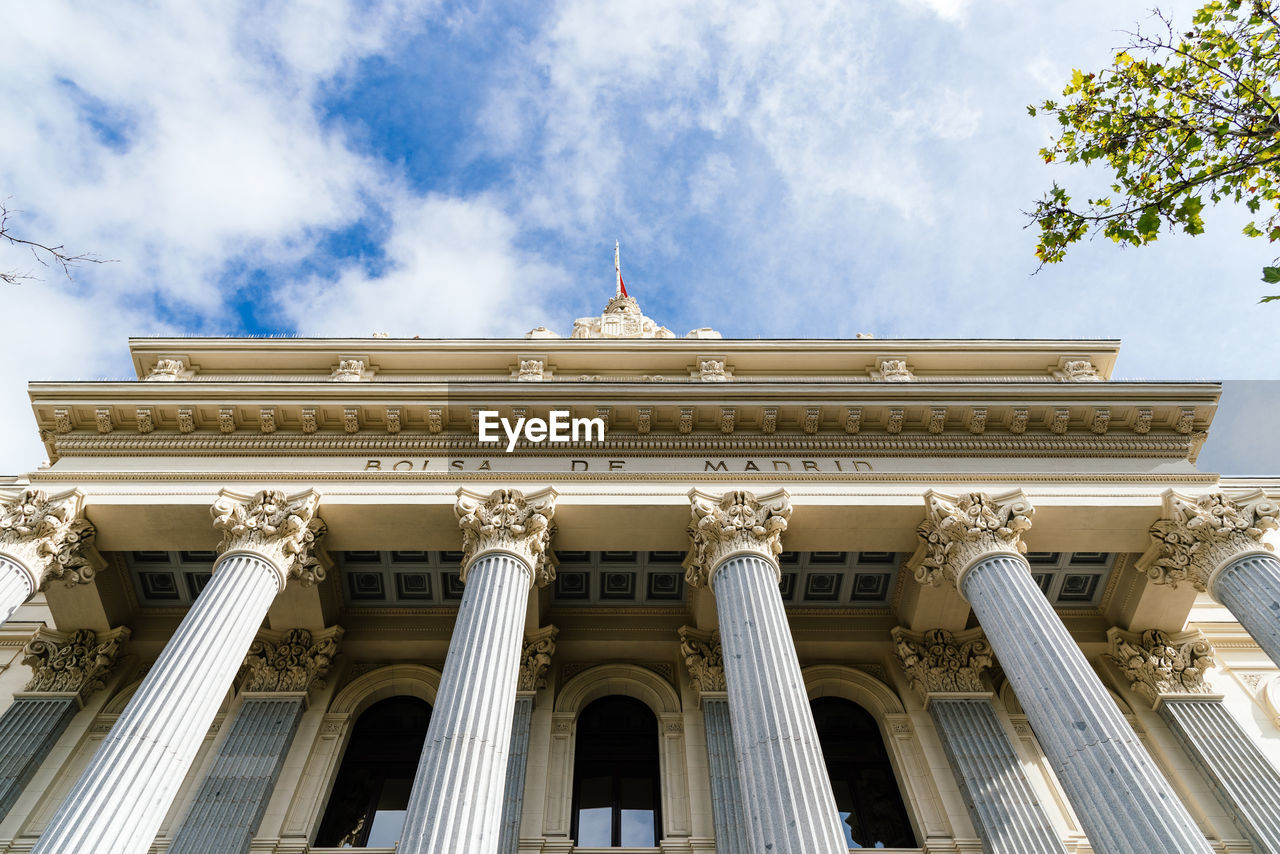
point(1271, 275)
point(1148, 225)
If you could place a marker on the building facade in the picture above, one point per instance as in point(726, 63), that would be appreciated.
point(804, 596)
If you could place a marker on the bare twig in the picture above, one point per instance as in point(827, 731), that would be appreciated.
point(44, 254)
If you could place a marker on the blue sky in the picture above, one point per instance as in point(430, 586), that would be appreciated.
point(772, 169)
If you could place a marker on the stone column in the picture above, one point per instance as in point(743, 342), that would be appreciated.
point(705, 661)
point(945, 669)
point(1167, 670)
point(1123, 801)
point(279, 671)
point(67, 668)
point(456, 801)
point(43, 538)
point(124, 793)
point(1215, 543)
point(736, 539)
point(535, 658)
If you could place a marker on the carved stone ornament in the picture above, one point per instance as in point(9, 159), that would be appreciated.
point(308, 419)
point(62, 420)
point(102, 416)
point(1018, 423)
point(435, 420)
point(1157, 662)
point(703, 657)
point(728, 417)
point(812, 419)
point(712, 371)
point(186, 419)
point(49, 536)
point(530, 370)
point(897, 416)
point(169, 370)
point(621, 318)
point(393, 420)
point(1061, 421)
point(686, 420)
point(285, 530)
point(978, 421)
point(227, 419)
point(852, 420)
point(267, 419)
point(1077, 371)
point(724, 525)
point(144, 418)
point(937, 419)
point(958, 530)
point(1142, 422)
point(73, 663)
point(350, 371)
point(939, 661)
point(1201, 534)
point(535, 658)
point(289, 661)
point(893, 371)
point(507, 521)
point(644, 419)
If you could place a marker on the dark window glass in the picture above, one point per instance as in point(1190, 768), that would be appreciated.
point(867, 797)
point(371, 792)
point(615, 776)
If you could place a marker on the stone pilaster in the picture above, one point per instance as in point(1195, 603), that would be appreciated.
point(735, 540)
point(66, 669)
point(1215, 543)
point(946, 671)
point(1167, 670)
point(535, 658)
point(124, 793)
point(43, 538)
point(1121, 798)
point(456, 802)
point(279, 671)
point(705, 661)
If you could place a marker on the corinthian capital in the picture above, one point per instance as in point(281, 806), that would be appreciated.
point(1157, 662)
point(75, 663)
point(958, 530)
point(733, 523)
point(508, 521)
point(535, 658)
point(289, 661)
point(284, 530)
point(49, 536)
point(939, 661)
point(1199, 535)
point(703, 657)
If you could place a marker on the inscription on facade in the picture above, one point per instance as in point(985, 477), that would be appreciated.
point(691, 465)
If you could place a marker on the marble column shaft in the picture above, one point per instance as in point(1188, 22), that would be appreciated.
point(1005, 810)
point(1247, 784)
point(122, 797)
point(233, 797)
point(785, 786)
point(727, 808)
point(16, 586)
point(1250, 588)
point(1121, 798)
point(29, 729)
point(456, 801)
point(513, 790)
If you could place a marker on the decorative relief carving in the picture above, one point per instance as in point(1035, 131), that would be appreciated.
point(186, 419)
point(896, 416)
point(852, 420)
point(1101, 420)
point(937, 419)
point(978, 421)
point(49, 536)
point(769, 419)
point(267, 419)
point(1142, 423)
point(605, 414)
point(686, 420)
point(530, 371)
point(227, 419)
point(169, 370)
point(435, 420)
point(350, 371)
point(77, 662)
point(1186, 420)
point(508, 521)
point(959, 530)
point(1157, 662)
point(143, 415)
point(812, 419)
point(285, 530)
point(103, 418)
point(621, 319)
point(735, 522)
point(308, 419)
point(1200, 534)
point(535, 658)
point(644, 419)
point(1078, 371)
point(727, 416)
point(62, 420)
point(939, 661)
point(1018, 422)
point(712, 371)
point(393, 420)
point(1061, 421)
point(351, 419)
point(893, 371)
point(703, 658)
point(289, 661)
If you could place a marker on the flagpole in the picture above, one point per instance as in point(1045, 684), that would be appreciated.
point(617, 271)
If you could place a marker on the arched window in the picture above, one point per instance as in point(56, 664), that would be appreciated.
point(371, 793)
point(866, 791)
point(615, 776)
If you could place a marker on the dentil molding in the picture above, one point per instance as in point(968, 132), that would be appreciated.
point(508, 521)
point(734, 523)
point(959, 530)
point(1199, 535)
